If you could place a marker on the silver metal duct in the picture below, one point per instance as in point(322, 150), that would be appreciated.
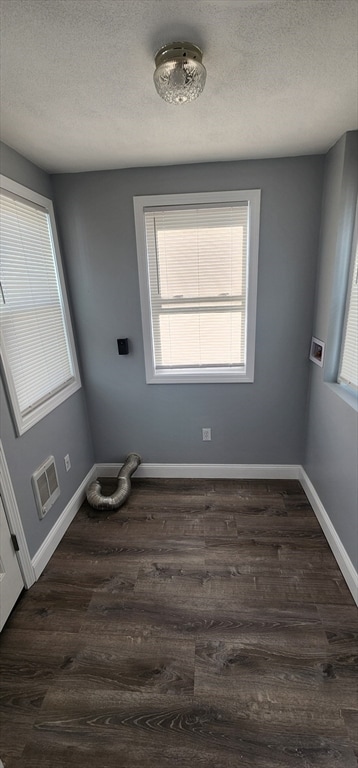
point(120, 495)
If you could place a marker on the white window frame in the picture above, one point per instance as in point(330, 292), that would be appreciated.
point(23, 422)
point(353, 275)
point(225, 374)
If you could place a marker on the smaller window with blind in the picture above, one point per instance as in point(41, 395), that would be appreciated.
point(37, 348)
point(197, 257)
point(348, 369)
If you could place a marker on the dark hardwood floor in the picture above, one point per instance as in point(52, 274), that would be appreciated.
point(205, 624)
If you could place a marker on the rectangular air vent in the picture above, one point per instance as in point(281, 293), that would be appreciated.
point(45, 485)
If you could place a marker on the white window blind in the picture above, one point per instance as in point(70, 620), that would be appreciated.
point(195, 262)
point(197, 265)
point(36, 348)
point(349, 362)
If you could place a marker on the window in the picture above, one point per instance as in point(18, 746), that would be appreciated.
point(197, 256)
point(37, 349)
point(348, 371)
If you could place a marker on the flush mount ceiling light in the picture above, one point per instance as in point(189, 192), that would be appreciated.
point(180, 75)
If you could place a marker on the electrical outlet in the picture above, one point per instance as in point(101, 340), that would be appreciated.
point(67, 461)
point(206, 432)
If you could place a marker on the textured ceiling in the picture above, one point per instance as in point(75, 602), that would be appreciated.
point(77, 90)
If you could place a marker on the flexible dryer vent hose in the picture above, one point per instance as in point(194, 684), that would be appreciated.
point(120, 495)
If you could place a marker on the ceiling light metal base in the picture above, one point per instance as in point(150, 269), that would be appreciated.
point(180, 75)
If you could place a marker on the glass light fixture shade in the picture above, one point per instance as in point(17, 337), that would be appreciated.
point(180, 75)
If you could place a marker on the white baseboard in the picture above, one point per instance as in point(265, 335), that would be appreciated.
point(209, 471)
point(344, 562)
point(48, 546)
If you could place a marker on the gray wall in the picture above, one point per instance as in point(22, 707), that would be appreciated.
point(264, 422)
point(332, 431)
point(65, 430)
point(251, 423)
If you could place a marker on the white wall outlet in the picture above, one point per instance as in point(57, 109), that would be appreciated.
point(206, 432)
point(67, 461)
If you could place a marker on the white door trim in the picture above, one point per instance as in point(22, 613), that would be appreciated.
point(14, 521)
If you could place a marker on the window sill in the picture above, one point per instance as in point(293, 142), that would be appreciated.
point(346, 394)
point(23, 423)
point(202, 377)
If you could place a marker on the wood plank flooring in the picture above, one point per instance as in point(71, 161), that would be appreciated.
point(205, 624)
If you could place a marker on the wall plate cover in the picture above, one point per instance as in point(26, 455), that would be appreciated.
point(317, 351)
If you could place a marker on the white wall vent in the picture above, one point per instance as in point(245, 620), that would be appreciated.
point(45, 485)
